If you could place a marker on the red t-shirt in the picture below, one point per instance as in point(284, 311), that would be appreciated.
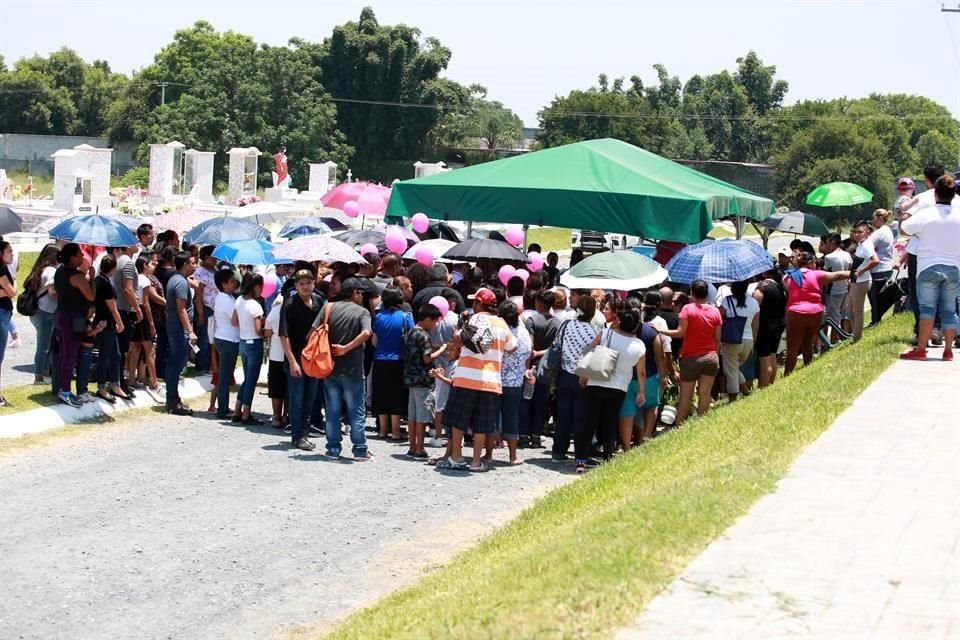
point(702, 323)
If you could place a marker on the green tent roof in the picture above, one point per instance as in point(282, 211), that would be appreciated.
point(603, 185)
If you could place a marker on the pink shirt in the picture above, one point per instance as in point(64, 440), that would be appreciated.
point(805, 299)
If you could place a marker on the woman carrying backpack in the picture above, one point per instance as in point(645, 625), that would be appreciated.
point(39, 286)
point(741, 322)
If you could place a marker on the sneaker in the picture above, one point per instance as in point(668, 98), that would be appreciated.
point(435, 443)
point(69, 399)
point(86, 398)
point(914, 354)
point(180, 410)
point(590, 462)
point(304, 445)
point(559, 458)
point(139, 386)
point(287, 430)
point(331, 455)
point(581, 467)
point(947, 355)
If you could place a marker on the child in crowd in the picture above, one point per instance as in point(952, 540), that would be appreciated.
point(85, 356)
point(419, 355)
point(444, 380)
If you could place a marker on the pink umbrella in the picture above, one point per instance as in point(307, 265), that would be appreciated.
point(314, 248)
point(180, 221)
point(372, 198)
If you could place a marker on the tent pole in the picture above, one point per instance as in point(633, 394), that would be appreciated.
point(526, 234)
point(469, 229)
point(739, 225)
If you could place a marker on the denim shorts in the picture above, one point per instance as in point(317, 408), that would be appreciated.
point(938, 288)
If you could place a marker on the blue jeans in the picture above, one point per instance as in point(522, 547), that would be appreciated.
point(108, 367)
point(337, 390)
point(251, 355)
point(5, 316)
point(84, 362)
point(163, 348)
point(938, 287)
point(176, 362)
point(571, 417)
point(229, 352)
point(43, 323)
point(203, 343)
point(301, 394)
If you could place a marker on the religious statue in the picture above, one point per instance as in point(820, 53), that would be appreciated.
point(283, 176)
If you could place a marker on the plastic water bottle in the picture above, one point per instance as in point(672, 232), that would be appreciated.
point(527, 386)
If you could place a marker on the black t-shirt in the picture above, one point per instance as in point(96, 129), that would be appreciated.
point(296, 320)
point(104, 291)
point(69, 298)
point(773, 309)
point(6, 303)
point(543, 329)
point(163, 275)
point(672, 318)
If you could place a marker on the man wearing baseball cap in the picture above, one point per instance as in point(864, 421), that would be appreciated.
point(474, 401)
point(297, 315)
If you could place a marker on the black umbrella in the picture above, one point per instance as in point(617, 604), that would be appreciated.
point(356, 238)
point(479, 248)
point(796, 222)
point(440, 231)
point(10, 222)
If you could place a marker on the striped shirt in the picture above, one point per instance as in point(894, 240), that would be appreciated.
point(481, 371)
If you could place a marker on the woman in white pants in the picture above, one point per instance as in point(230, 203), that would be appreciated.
point(738, 304)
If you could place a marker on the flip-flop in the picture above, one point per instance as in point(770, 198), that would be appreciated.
point(516, 463)
point(481, 469)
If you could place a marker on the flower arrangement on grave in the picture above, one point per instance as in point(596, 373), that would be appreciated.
point(245, 200)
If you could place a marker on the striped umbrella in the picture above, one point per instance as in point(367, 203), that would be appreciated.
point(717, 261)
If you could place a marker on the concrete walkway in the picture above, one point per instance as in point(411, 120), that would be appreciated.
point(860, 540)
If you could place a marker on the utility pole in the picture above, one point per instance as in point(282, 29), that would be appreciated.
point(163, 92)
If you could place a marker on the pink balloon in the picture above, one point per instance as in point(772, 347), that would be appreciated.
point(506, 272)
point(395, 240)
point(420, 222)
point(351, 208)
point(424, 256)
point(440, 303)
point(368, 249)
point(535, 260)
point(514, 235)
point(523, 274)
point(269, 286)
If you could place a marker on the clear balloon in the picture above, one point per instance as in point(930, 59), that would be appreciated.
point(514, 235)
point(506, 272)
point(440, 303)
point(351, 208)
point(523, 274)
point(420, 222)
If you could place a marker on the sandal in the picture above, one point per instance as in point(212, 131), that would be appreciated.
point(481, 469)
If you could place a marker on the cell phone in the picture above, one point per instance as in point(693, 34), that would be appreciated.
point(196, 349)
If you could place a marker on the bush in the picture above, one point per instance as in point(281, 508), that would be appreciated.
point(136, 177)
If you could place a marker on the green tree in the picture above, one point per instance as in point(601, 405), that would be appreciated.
point(936, 147)
point(598, 112)
point(369, 64)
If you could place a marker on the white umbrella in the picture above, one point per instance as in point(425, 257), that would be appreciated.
point(438, 246)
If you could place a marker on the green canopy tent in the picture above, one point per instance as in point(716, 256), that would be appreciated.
point(603, 185)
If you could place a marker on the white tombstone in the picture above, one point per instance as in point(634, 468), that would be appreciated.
point(243, 173)
point(323, 177)
point(166, 173)
point(84, 170)
point(198, 174)
point(421, 169)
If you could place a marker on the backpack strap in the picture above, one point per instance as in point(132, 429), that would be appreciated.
point(326, 313)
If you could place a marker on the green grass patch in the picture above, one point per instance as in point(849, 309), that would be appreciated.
point(27, 397)
point(42, 186)
point(549, 238)
point(584, 560)
point(27, 260)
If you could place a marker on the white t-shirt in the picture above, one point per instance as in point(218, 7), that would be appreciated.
point(882, 240)
point(630, 349)
point(865, 250)
point(46, 303)
point(248, 310)
point(937, 229)
point(926, 199)
point(666, 342)
point(838, 260)
point(144, 282)
point(750, 309)
point(273, 323)
point(223, 328)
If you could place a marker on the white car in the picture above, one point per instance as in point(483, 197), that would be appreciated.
point(597, 241)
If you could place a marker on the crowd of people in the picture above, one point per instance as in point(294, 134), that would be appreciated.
point(456, 353)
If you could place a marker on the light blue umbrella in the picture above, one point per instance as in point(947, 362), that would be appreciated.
point(304, 227)
point(716, 261)
point(225, 229)
point(257, 252)
point(94, 229)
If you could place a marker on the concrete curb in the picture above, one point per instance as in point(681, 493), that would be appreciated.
point(47, 418)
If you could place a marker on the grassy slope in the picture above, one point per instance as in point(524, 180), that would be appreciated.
point(585, 560)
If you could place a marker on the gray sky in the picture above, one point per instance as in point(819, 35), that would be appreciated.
point(526, 52)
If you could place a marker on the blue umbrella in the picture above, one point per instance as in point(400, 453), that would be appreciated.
point(94, 229)
point(220, 230)
point(258, 252)
point(304, 227)
point(718, 261)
